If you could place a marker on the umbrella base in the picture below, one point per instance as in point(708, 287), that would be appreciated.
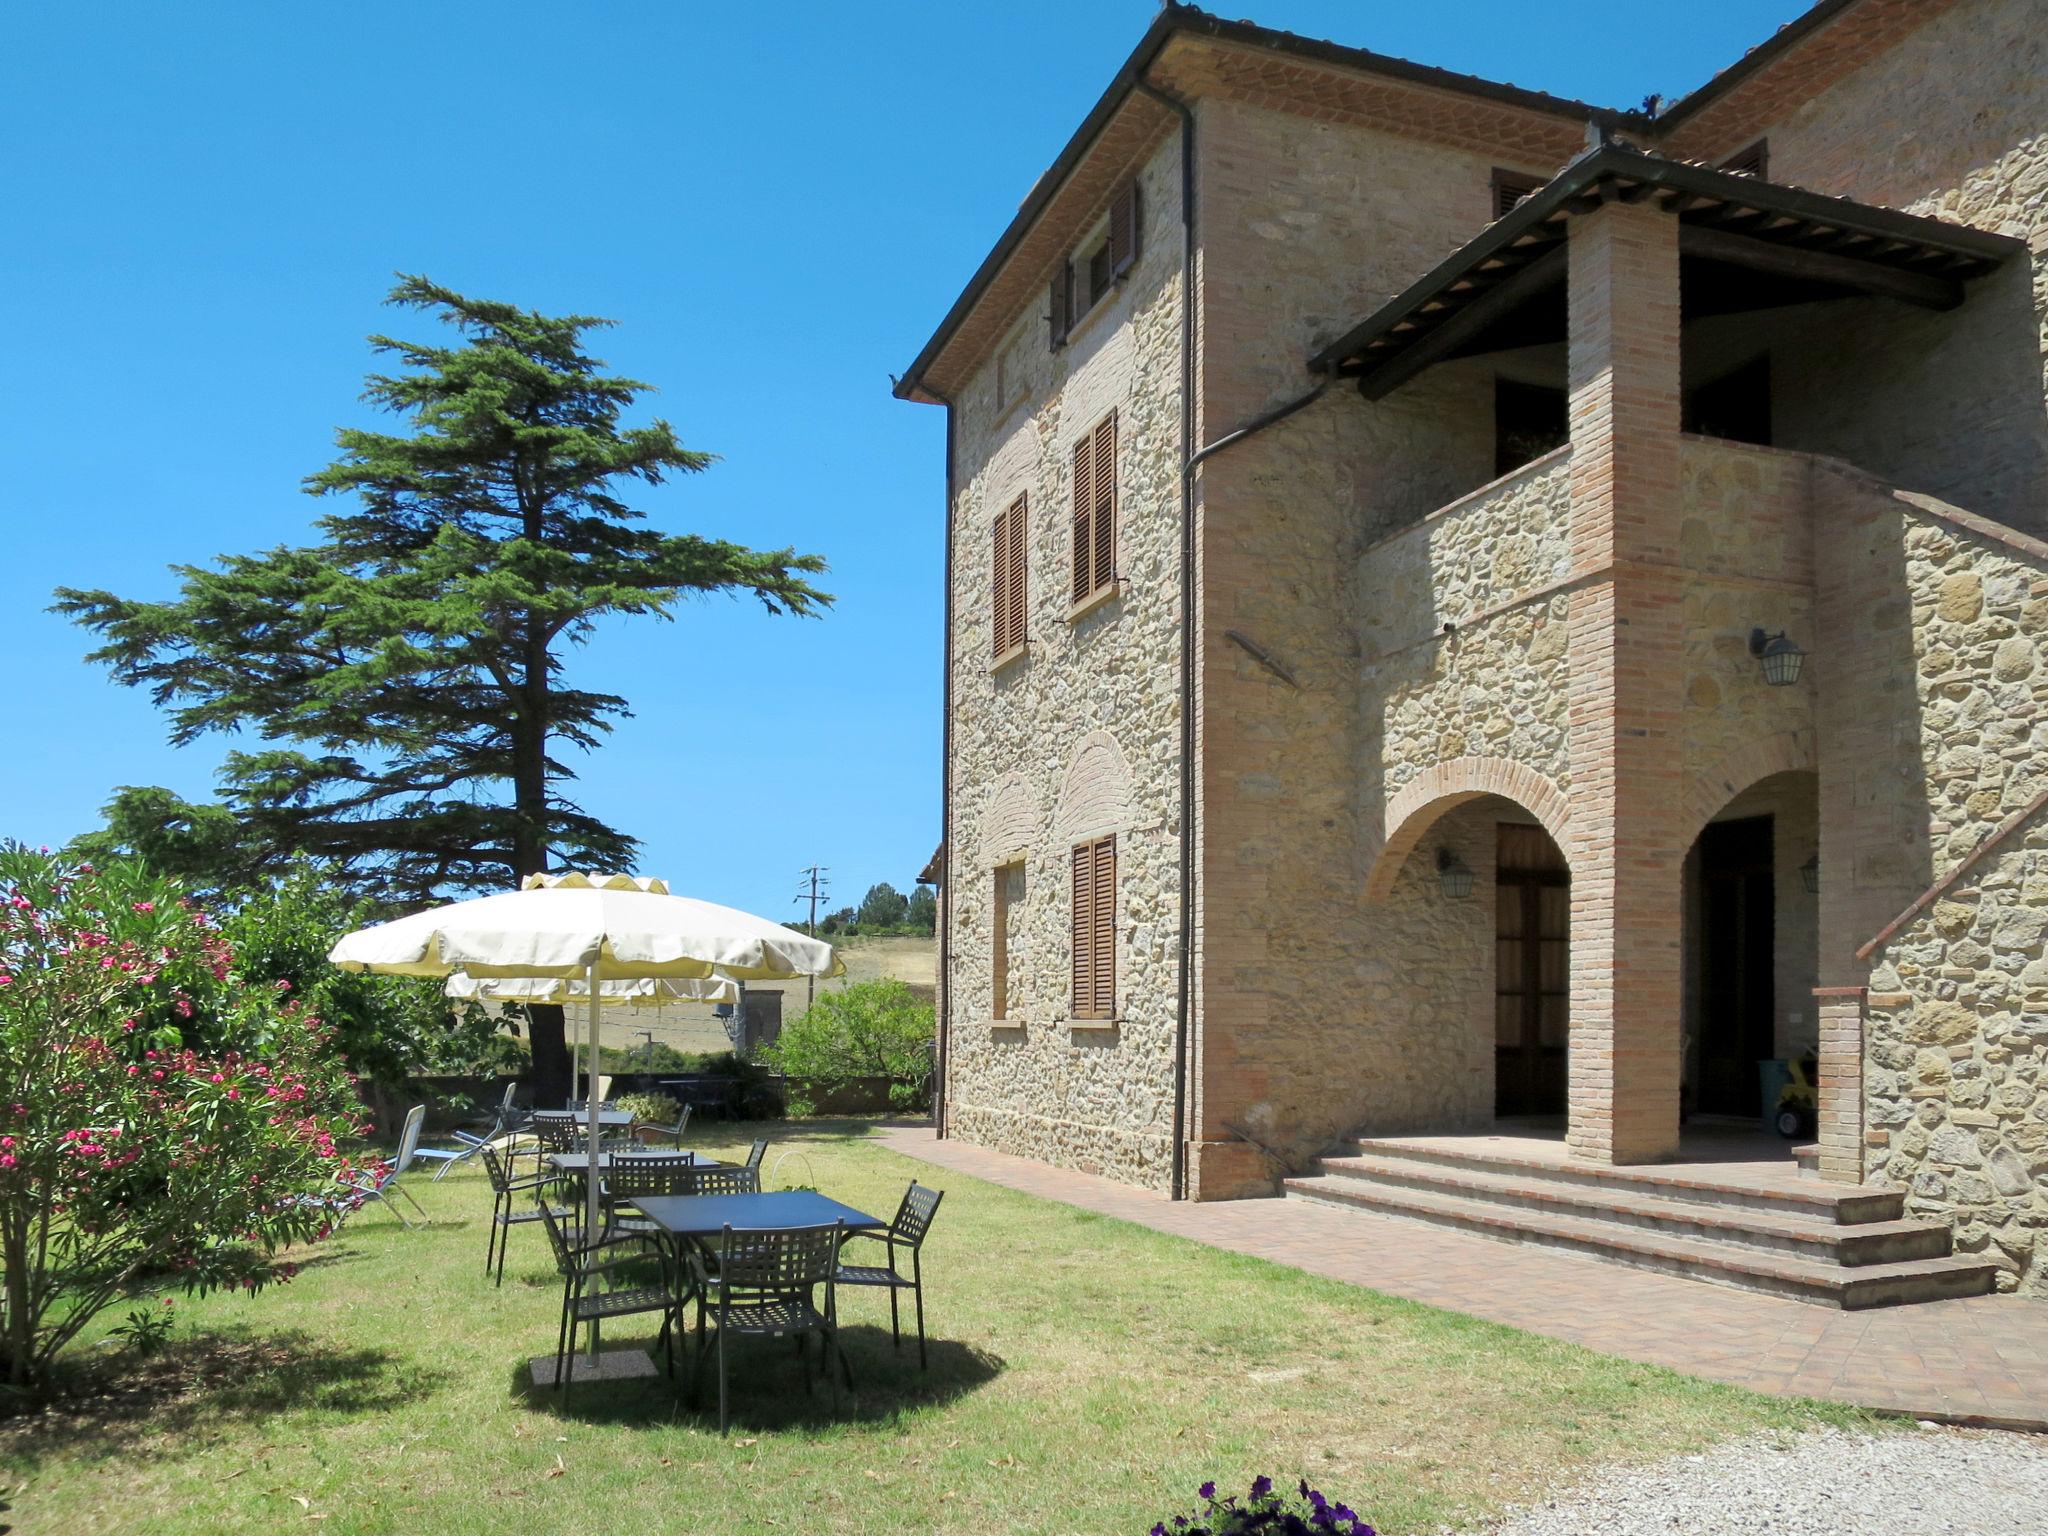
point(610, 1365)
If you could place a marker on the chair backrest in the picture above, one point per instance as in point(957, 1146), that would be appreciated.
point(914, 1215)
point(682, 1124)
point(630, 1176)
point(778, 1259)
point(722, 1181)
point(760, 1150)
point(494, 1167)
point(558, 1239)
point(556, 1135)
point(408, 1139)
point(505, 1104)
point(604, 1090)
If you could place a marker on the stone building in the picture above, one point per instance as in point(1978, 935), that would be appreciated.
point(1465, 605)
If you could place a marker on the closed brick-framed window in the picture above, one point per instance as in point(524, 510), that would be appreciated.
point(1094, 929)
point(1008, 583)
point(1509, 188)
point(1094, 542)
point(1006, 943)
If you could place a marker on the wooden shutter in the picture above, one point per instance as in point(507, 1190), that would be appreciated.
point(1084, 502)
point(1008, 585)
point(1093, 924)
point(999, 589)
point(1755, 160)
point(1081, 930)
point(1017, 589)
point(1123, 231)
point(1062, 304)
point(1105, 928)
point(1103, 512)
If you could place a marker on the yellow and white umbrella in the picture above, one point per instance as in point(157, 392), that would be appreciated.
point(591, 929)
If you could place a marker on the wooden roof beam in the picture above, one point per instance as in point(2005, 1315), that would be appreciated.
point(1820, 266)
point(1378, 382)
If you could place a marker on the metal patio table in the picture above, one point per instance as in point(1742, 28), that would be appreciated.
point(702, 1219)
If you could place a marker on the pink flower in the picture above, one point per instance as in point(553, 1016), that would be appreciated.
point(145, 906)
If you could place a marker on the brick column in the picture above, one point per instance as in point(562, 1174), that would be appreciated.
point(1627, 685)
point(1841, 1012)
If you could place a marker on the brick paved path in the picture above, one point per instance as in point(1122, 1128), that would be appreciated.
point(1983, 1360)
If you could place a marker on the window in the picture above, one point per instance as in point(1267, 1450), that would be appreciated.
point(1078, 289)
point(1007, 632)
point(1752, 161)
point(1006, 939)
point(1528, 421)
point(1094, 929)
point(1509, 188)
point(1095, 509)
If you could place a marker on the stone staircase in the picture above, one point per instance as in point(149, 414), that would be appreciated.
point(1834, 1245)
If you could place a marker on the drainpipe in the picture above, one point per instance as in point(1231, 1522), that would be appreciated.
point(1186, 944)
point(944, 990)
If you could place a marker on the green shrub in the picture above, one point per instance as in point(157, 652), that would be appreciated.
point(870, 1029)
point(651, 1108)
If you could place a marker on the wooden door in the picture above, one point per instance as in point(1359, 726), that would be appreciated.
point(1532, 930)
point(1737, 920)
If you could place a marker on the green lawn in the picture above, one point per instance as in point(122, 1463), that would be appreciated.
point(1086, 1375)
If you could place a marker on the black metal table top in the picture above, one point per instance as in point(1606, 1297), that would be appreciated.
point(702, 1216)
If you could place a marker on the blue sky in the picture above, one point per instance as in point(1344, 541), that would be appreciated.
point(207, 202)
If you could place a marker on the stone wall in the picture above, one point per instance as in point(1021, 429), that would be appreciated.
point(1078, 736)
point(1304, 227)
point(1747, 546)
point(1956, 1035)
point(1463, 634)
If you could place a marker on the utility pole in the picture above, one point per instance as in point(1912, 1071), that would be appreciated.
point(813, 890)
point(646, 1055)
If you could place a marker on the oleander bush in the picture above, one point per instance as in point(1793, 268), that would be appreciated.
point(160, 1119)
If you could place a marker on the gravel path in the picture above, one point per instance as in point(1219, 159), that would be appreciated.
point(1930, 1482)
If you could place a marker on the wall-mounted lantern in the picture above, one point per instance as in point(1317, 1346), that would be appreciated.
point(1809, 873)
point(1780, 657)
point(1454, 873)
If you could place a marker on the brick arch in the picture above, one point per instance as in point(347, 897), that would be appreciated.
point(1751, 763)
point(1420, 803)
point(1009, 820)
point(1096, 796)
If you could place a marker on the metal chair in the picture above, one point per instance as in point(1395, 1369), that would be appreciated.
point(590, 1296)
point(722, 1179)
point(631, 1176)
point(383, 1183)
point(906, 1232)
point(764, 1286)
point(506, 1188)
point(756, 1153)
point(651, 1135)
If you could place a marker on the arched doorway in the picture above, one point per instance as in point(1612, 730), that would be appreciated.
point(1751, 943)
point(1532, 972)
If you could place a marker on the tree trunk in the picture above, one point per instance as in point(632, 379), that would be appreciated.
point(547, 1040)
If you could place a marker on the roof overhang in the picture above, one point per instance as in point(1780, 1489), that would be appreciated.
point(1817, 243)
point(1123, 97)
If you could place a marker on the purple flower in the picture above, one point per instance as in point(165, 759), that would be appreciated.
point(1261, 1486)
point(1159, 1529)
point(1207, 1490)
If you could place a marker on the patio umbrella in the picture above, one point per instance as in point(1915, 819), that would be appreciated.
point(593, 929)
point(523, 990)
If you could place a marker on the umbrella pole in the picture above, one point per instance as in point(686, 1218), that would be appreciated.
point(593, 1173)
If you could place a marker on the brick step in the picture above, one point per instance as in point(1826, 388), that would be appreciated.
point(1798, 1233)
point(1871, 1285)
point(1846, 1205)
